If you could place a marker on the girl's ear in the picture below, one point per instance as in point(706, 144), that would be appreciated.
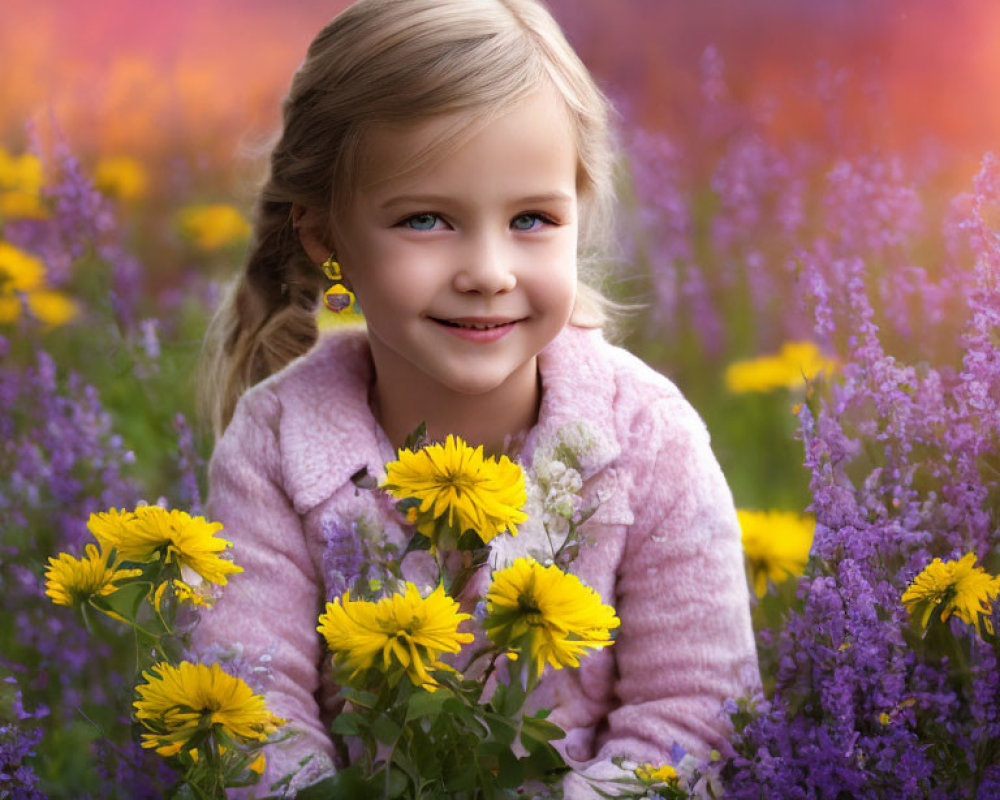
point(309, 225)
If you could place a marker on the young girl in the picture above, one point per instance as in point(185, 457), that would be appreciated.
point(448, 162)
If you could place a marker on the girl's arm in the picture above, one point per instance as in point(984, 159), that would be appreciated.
point(686, 642)
point(269, 610)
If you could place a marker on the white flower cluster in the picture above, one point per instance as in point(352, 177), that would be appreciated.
point(553, 485)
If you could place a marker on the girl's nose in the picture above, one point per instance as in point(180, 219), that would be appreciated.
point(485, 269)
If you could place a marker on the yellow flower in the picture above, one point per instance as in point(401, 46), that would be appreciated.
point(259, 764)
point(794, 364)
point(109, 527)
point(22, 172)
point(956, 587)
point(213, 226)
point(52, 308)
point(407, 630)
point(71, 580)
point(15, 204)
point(177, 702)
point(775, 544)
point(21, 180)
point(647, 773)
point(482, 494)
point(153, 532)
point(122, 177)
point(19, 271)
point(559, 615)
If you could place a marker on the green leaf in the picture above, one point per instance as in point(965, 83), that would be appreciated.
point(172, 649)
point(464, 777)
point(417, 542)
point(421, 760)
point(359, 697)
point(502, 729)
point(544, 762)
point(386, 730)
point(399, 783)
point(535, 731)
point(127, 600)
point(426, 704)
point(511, 773)
point(347, 784)
point(509, 698)
point(346, 724)
point(471, 540)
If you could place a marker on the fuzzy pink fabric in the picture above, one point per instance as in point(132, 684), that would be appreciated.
point(665, 548)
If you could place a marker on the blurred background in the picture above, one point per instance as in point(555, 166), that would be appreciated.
point(766, 144)
point(202, 76)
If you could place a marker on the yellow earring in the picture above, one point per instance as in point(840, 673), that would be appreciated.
point(332, 269)
point(338, 298)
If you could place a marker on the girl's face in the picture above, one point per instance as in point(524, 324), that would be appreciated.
point(465, 267)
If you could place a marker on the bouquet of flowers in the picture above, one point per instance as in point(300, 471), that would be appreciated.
point(416, 726)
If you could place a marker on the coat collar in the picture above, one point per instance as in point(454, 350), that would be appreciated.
point(328, 433)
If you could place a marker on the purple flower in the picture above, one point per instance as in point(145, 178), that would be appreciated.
point(896, 453)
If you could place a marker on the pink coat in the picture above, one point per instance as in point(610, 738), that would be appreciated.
point(664, 547)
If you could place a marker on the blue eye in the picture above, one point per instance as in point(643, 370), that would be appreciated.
point(527, 222)
point(421, 222)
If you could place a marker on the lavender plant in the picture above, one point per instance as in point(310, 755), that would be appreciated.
point(904, 469)
point(71, 439)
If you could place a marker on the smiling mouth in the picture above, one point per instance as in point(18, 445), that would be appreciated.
point(474, 326)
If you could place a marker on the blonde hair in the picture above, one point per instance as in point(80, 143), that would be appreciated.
point(385, 62)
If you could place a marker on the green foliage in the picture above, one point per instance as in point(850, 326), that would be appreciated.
point(447, 742)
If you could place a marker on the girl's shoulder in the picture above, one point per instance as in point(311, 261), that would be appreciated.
point(315, 417)
point(598, 378)
point(339, 362)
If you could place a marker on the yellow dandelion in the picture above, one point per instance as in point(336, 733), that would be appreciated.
point(956, 587)
point(70, 580)
point(454, 480)
point(213, 226)
point(109, 527)
point(560, 617)
point(796, 363)
point(122, 177)
point(648, 773)
point(408, 631)
point(175, 703)
point(259, 764)
point(775, 544)
point(152, 532)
